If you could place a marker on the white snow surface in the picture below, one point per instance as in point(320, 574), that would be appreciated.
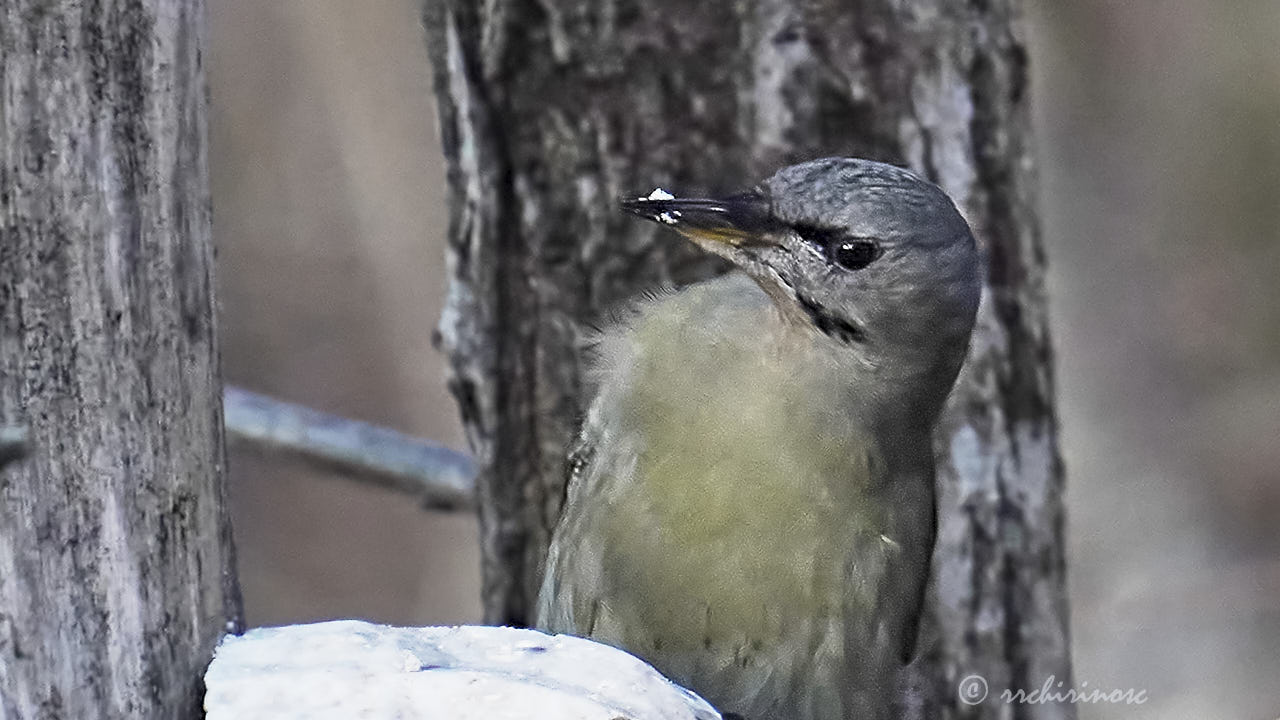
point(352, 669)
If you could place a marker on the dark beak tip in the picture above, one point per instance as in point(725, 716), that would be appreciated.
point(648, 208)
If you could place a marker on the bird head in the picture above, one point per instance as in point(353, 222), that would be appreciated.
point(868, 255)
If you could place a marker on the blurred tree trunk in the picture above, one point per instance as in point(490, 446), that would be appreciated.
point(116, 572)
point(551, 110)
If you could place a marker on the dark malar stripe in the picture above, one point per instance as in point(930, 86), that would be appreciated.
point(831, 326)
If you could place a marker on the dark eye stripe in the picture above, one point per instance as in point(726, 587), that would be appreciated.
point(819, 237)
point(850, 253)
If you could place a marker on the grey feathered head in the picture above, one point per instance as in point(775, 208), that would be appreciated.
point(869, 255)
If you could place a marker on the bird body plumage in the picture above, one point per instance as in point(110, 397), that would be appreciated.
point(704, 418)
point(752, 510)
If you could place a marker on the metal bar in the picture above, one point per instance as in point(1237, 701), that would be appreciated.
point(440, 478)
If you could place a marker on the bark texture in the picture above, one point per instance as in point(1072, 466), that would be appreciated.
point(116, 569)
point(552, 109)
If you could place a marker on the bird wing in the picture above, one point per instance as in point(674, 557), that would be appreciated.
point(574, 574)
point(906, 538)
point(916, 581)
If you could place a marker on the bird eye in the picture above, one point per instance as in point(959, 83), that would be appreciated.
point(855, 254)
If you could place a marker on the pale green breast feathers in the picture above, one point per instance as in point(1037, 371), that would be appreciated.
point(724, 458)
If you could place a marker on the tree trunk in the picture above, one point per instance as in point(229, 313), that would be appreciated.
point(116, 568)
point(551, 110)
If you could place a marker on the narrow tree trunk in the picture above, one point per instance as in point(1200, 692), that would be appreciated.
point(116, 573)
point(551, 110)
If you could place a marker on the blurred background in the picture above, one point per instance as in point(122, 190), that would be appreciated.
point(1159, 143)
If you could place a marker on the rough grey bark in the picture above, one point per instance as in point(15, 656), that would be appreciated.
point(116, 572)
point(551, 110)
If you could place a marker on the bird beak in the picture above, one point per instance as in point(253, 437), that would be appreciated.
point(737, 221)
